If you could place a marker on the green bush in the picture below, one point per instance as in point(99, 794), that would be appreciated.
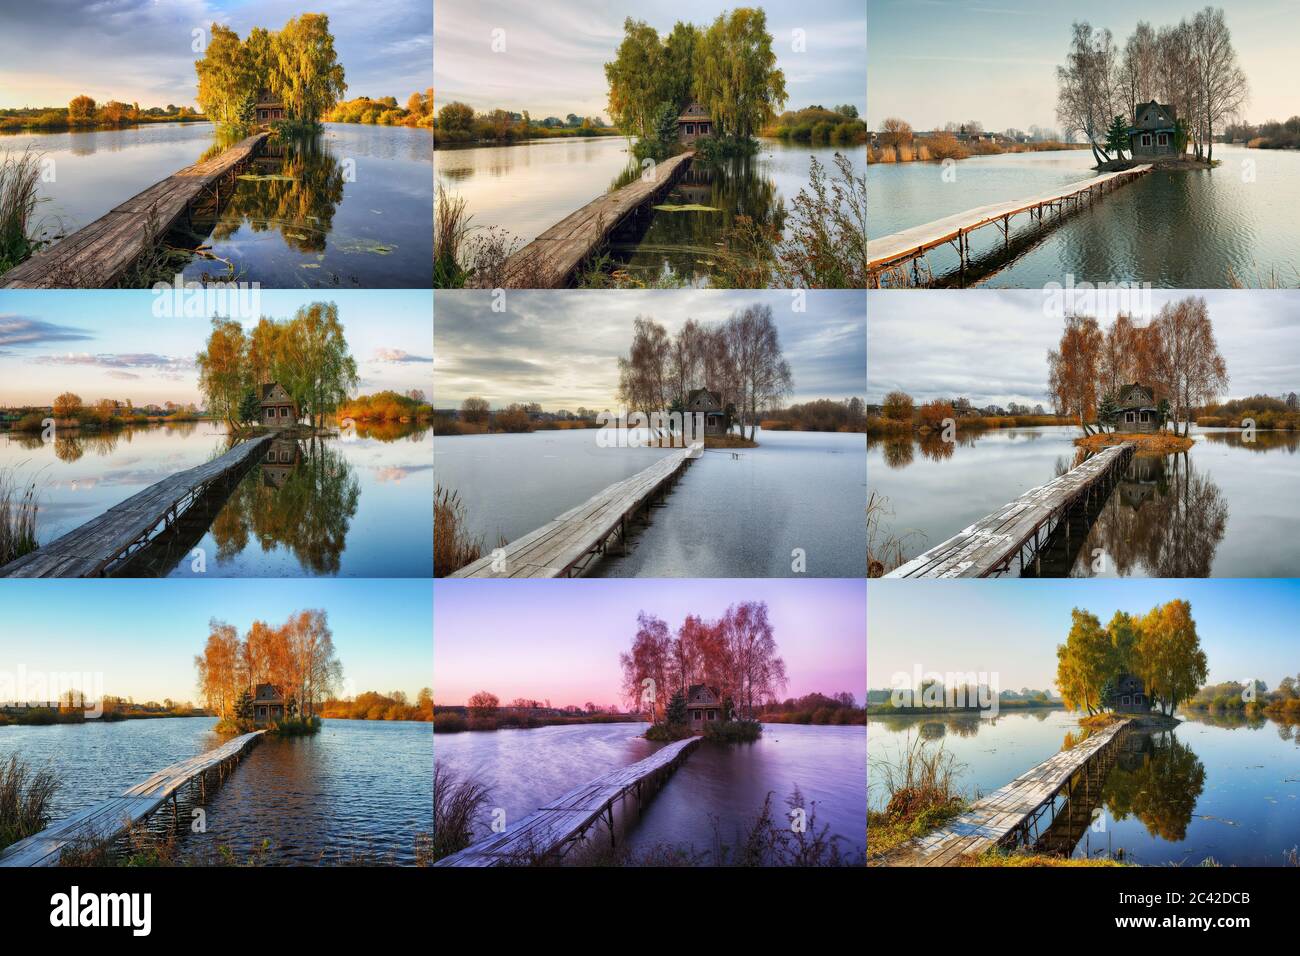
point(449, 723)
point(296, 726)
point(667, 732)
point(734, 731)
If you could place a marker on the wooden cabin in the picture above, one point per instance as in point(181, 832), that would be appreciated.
point(693, 123)
point(1136, 410)
point(268, 704)
point(703, 707)
point(1127, 695)
point(708, 404)
point(268, 108)
point(279, 410)
point(1154, 131)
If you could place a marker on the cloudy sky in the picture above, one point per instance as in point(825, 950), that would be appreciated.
point(991, 345)
point(97, 628)
point(561, 350)
point(109, 345)
point(1013, 627)
point(932, 61)
point(522, 638)
point(554, 56)
point(142, 50)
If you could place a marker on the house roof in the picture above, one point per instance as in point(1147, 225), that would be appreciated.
point(268, 388)
point(1136, 396)
point(702, 695)
point(694, 113)
point(697, 395)
point(268, 694)
point(1154, 116)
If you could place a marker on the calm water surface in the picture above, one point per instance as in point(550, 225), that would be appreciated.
point(1213, 511)
point(357, 789)
point(354, 507)
point(727, 516)
point(526, 189)
point(525, 768)
point(1241, 212)
point(351, 207)
point(1227, 789)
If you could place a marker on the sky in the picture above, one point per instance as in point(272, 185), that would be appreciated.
point(935, 61)
point(561, 351)
point(143, 50)
point(108, 344)
point(141, 636)
point(554, 55)
point(532, 639)
point(1012, 627)
point(991, 345)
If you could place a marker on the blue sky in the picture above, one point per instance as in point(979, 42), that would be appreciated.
point(141, 50)
point(108, 344)
point(553, 62)
point(1247, 627)
point(935, 61)
point(142, 635)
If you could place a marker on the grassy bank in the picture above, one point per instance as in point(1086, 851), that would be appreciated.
point(25, 798)
point(49, 716)
point(454, 722)
point(879, 426)
point(938, 148)
point(1148, 443)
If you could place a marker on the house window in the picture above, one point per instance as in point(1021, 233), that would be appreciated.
point(1125, 701)
point(284, 411)
point(1128, 416)
point(270, 414)
point(1146, 416)
point(1162, 139)
point(690, 129)
point(1146, 139)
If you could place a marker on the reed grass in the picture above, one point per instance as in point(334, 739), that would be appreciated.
point(453, 545)
point(20, 176)
point(25, 798)
point(921, 786)
point(457, 804)
point(18, 511)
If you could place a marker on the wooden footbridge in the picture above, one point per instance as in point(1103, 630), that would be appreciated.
point(894, 254)
point(549, 260)
point(1017, 532)
point(565, 546)
point(100, 545)
point(554, 829)
point(105, 821)
point(1014, 815)
point(98, 254)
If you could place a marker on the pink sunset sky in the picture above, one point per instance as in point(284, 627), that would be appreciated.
point(530, 638)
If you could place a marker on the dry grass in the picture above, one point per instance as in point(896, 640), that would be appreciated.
point(457, 803)
point(453, 545)
point(885, 549)
point(20, 176)
point(18, 509)
point(728, 441)
point(1149, 443)
point(1023, 858)
point(922, 786)
point(25, 796)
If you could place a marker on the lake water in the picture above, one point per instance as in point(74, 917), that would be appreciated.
point(1227, 789)
point(727, 516)
point(1240, 213)
point(350, 208)
point(1213, 511)
point(357, 789)
point(525, 768)
point(359, 507)
point(526, 189)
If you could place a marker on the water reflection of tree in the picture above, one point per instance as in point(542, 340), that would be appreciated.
point(305, 503)
point(299, 197)
point(1263, 441)
point(1163, 517)
point(388, 431)
point(1157, 779)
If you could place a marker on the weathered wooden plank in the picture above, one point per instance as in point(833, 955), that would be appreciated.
point(901, 246)
point(88, 549)
point(97, 254)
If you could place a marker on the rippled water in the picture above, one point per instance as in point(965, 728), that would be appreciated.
point(1227, 789)
point(1240, 214)
point(731, 514)
point(523, 769)
point(1212, 511)
point(357, 790)
point(357, 507)
point(351, 207)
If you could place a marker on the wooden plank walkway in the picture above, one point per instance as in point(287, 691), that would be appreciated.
point(893, 251)
point(989, 546)
point(96, 546)
point(1005, 815)
point(106, 820)
point(97, 255)
point(549, 260)
point(564, 546)
point(552, 829)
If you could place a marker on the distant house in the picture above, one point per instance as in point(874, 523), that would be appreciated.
point(1136, 409)
point(268, 108)
point(268, 704)
point(703, 706)
point(708, 404)
point(1153, 131)
point(1127, 695)
point(279, 410)
point(693, 123)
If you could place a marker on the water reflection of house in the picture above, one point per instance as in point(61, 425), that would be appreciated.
point(282, 458)
point(703, 707)
point(696, 185)
point(268, 704)
point(1127, 695)
point(279, 410)
point(709, 404)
